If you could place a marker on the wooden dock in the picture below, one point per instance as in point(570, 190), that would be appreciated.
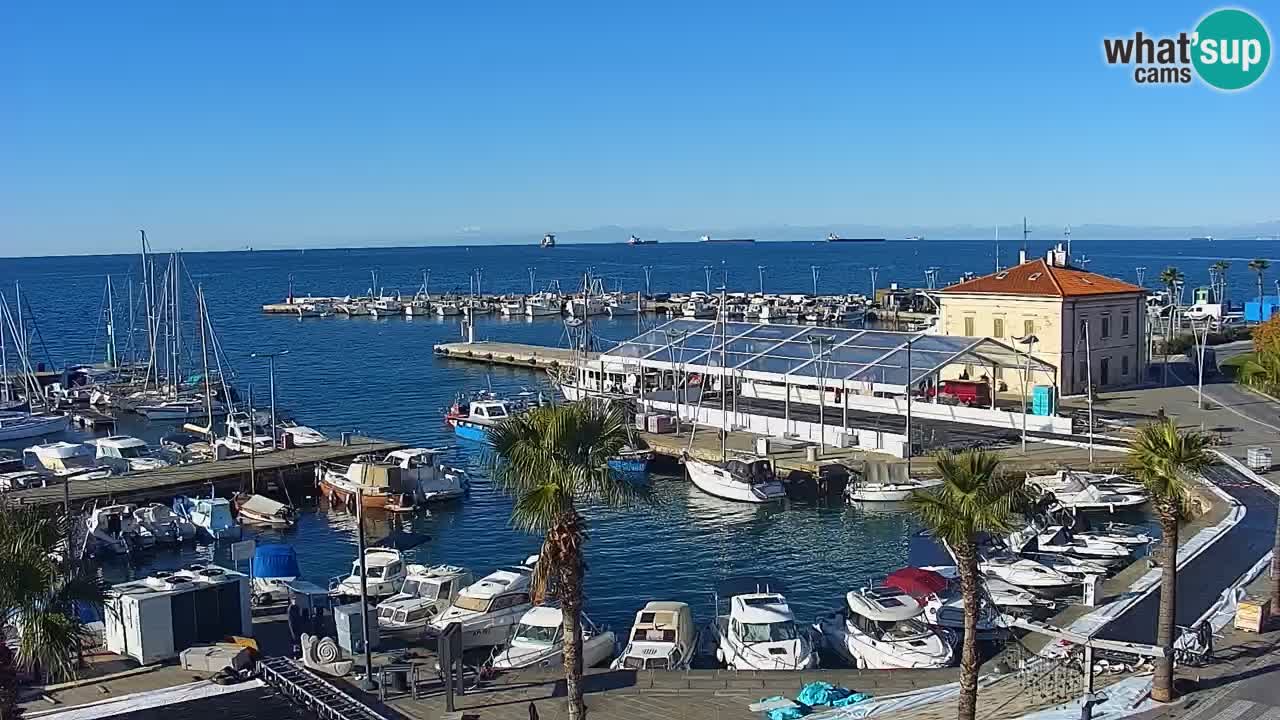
point(513, 354)
point(296, 466)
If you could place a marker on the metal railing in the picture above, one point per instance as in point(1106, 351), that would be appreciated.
point(312, 691)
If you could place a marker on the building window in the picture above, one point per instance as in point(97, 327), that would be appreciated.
point(1084, 372)
point(1124, 325)
point(968, 326)
point(1106, 326)
point(1028, 328)
point(1084, 329)
point(1124, 364)
point(997, 327)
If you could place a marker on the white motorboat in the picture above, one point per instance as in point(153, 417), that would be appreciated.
point(185, 447)
point(1026, 573)
point(23, 425)
point(1057, 540)
point(619, 304)
point(1006, 597)
point(543, 305)
point(210, 515)
point(113, 530)
point(747, 480)
point(892, 491)
point(263, 511)
point(302, 434)
point(274, 566)
point(385, 571)
point(1079, 494)
point(1074, 480)
point(584, 307)
point(246, 435)
point(512, 308)
point(167, 527)
point(698, 309)
point(181, 409)
point(538, 640)
point(426, 592)
point(385, 307)
point(60, 458)
point(759, 631)
point(488, 609)
point(1072, 566)
point(663, 637)
point(23, 479)
point(448, 308)
point(881, 628)
point(124, 453)
point(943, 603)
point(402, 477)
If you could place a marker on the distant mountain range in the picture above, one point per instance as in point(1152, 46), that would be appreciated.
point(1040, 232)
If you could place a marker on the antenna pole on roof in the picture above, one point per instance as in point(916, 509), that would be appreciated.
point(1025, 233)
point(997, 248)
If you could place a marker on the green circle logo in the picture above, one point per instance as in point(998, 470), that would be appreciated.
point(1232, 49)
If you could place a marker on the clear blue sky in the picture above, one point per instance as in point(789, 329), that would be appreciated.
point(229, 123)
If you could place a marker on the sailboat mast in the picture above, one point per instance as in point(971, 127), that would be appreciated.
point(177, 324)
point(724, 378)
point(146, 294)
point(204, 354)
point(111, 326)
point(4, 359)
point(132, 347)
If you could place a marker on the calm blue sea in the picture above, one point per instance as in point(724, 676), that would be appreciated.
point(379, 377)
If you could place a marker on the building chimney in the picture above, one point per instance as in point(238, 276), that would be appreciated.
point(1022, 256)
point(1058, 257)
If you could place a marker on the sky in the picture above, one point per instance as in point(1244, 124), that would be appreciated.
point(273, 124)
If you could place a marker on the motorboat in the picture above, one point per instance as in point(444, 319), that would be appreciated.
point(385, 573)
point(385, 307)
point(474, 420)
point(662, 637)
point(23, 425)
point(274, 566)
point(125, 453)
point(166, 526)
point(246, 436)
point(891, 491)
point(405, 477)
point(580, 307)
point(1028, 574)
point(1057, 540)
point(181, 409)
point(60, 458)
point(759, 631)
point(113, 530)
point(23, 479)
point(619, 304)
point(631, 462)
point(210, 515)
point(448, 308)
point(538, 641)
point(882, 628)
point(1075, 480)
point(943, 602)
point(1091, 497)
point(1008, 598)
point(512, 308)
point(697, 309)
point(426, 592)
point(185, 447)
point(302, 434)
point(750, 479)
point(488, 609)
point(263, 511)
point(543, 305)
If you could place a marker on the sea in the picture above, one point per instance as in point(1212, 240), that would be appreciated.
point(380, 378)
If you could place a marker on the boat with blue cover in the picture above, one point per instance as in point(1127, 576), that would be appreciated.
point(274, 567)
point(631, 462)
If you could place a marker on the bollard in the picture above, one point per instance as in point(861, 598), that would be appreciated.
point(346, 439)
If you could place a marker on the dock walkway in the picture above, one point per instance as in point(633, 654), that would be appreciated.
point(503, 353)
point(230, 473)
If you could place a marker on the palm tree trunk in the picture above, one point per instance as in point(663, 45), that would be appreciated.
point(967, 566)
point(1162, 684)
point(570, 595)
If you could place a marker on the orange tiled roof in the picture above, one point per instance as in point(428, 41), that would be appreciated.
point(1039, 278)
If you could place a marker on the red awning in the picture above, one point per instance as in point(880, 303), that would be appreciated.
point(916, 582)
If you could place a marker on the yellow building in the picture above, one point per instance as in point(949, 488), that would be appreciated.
point(1059, 306)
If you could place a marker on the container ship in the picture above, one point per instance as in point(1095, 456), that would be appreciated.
point(633, 240)
point(709, 239)
point(836, 238)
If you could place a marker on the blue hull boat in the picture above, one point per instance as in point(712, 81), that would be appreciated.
point(470, 431)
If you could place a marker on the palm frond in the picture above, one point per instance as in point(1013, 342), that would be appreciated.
point(974, 498)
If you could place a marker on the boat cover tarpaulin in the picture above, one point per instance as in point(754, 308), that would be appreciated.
point(916, 582)
point(275, 561)
point(262, 505)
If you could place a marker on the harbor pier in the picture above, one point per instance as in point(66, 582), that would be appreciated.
point(293, 467)
point(512, 354)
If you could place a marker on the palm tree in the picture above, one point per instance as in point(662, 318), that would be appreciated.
point(1261, 371)
point(551, 460)
point(1220, 269)
point(40, 592)
point(1259, 266)
point(1171, 277)
point(974, 498)
point(1161, 457)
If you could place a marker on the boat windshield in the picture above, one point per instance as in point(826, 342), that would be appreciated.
point(769, 632)
point(137, 451)
point(911, 629)
point(537, 634)
point(220, 516)
point(421, 589)
point(474, 604)
point(632, 662)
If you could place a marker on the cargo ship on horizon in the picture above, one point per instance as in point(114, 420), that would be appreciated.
point(709, 239)
point(633, 240)
point(836, 238)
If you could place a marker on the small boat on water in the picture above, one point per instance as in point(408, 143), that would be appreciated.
point(385, 571)
point(880, 628)
point(263, 511)
point(543, 304)
point(751, 479)
point(448, 308)
point(538, 640)
point(211, 516)
point(662, 637)
point(426, 592)
point(167, 527)
point(60, 458)
point(889, 491)
point(488, 609)
point(401, 478)
point(631, 462)
point(113, 530)
point(1027, 574)
point(301, 434)
point(943, 603)
point(245, 435)
point(23, 425)
point(124, 453)
point(181, 409)
point(474, 420)
point(274, 566)
point(758, 630)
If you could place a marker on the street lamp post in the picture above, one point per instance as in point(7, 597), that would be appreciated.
point(648, 270)
point(706, 270)
point(814, 269)
point(271, 364)
point(760, 272)
point(1030, 341)
point(531, 274)
point(1202, 339)
point(818, 341)
point(1088, 369)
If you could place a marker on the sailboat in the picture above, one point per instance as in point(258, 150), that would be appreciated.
point(750, 479)
point(20, 424)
